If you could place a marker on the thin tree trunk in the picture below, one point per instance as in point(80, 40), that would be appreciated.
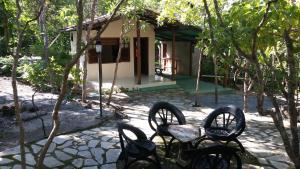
point(216, 79)
point(291, 87)
point(15, 89)
point(44, 35)
point(84, 78)
point(138, 51)
point(246, 86)
point(117, 65)
point(197, 91)
point(6, 29)
point(55, 115)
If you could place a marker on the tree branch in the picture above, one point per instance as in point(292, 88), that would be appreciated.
point(258, 28)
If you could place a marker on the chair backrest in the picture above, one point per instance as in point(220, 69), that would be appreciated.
point(229, 117)
point(124, 138)
point(213, 157)
point(167, 114)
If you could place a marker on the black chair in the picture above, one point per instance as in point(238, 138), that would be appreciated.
point(161, 115)
point(225, 124)
point(215, 157)
point(138, 148)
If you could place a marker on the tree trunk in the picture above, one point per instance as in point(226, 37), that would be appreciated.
point(259, 79)
point(197, 91)
point(55, 115)
point(6, 31)
point(84, 78)
point(117, 65)
point(138, 52)
point(216, 79)
point(15, 89)
point(246, 86)
point(291, 87)
point(44, 35)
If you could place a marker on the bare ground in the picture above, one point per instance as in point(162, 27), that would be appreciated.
point(72, 114)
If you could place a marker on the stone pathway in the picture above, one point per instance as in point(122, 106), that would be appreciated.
point(99, 147)
point(89, 149)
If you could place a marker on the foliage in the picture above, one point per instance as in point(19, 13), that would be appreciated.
point(37, 74)
point(6, 64)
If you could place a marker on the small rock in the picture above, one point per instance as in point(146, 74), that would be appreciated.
point(42, 142)
point(70, 151)
point(90, 162)
point(98, 154)
point(62, 156)
point(93, 143)
point(279, 165)
point(93, 167)
point(78, 162)
point(66, 144)
point(35, 148)
point(85, 154)
point(109, 166)
point(61, 139)
point(52, 147)
point(29, 158)
point(4, 161)
point(106, 145)
point(112, 155)
point(52, 162)
point(81, 148)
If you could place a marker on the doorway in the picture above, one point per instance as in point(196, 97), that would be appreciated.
point(144, 57)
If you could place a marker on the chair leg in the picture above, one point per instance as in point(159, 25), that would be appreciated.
point(168, 149)
point(200, 140)
point(166, 146)
point(130, 163)
point(157, 161)
point(126, 163)
point(240, 145)
point(154, 135)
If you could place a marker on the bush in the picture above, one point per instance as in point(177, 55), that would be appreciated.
point(37, 74)
point(6, 64)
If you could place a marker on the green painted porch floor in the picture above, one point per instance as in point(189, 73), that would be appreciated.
point(189, 84)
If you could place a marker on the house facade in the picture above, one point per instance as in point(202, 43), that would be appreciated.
point(159, 46)
point(110, 42)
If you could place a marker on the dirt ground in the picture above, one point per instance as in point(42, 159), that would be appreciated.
point(73, 115)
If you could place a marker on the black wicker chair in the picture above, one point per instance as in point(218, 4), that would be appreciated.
point(137, 149)
point(225, 124)
point(215, 157)
point(161, 115)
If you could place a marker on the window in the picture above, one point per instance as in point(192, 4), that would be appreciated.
point(110, 47)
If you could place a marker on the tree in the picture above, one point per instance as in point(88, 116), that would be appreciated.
point(4, 26)
point(266, 35)
point(84, 76)
point(263, 39)
point(20, 33)
point(79, 50)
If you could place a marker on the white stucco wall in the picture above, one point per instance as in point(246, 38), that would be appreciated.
point(126, 69)
point(182, 55)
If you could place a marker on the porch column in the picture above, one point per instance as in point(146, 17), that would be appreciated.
point(191, 59)
point(173, 53)
point(138, 52)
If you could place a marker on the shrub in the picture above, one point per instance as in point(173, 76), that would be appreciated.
point(6, 64)
point(37, 74)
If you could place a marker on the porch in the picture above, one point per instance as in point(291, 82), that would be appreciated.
point(129, 83)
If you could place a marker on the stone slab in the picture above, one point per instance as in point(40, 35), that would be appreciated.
point(52, 162)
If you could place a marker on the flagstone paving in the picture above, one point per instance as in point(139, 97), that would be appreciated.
point(99, 147)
